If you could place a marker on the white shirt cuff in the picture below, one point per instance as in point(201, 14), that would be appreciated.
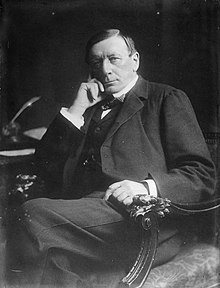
point(75, 120)
point(151, 187)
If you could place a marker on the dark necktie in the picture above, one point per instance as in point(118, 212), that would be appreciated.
point(110, 102)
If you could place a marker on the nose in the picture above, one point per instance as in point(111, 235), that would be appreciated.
point(106, 67)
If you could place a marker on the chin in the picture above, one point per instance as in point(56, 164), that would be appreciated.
point(112, 90)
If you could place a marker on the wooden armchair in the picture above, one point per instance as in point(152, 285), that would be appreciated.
point(197, 264)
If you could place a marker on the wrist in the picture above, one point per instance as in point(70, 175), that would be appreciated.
point(76, 110)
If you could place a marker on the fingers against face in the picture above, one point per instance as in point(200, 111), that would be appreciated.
point(94, 89)
point(89, 93)
point(100, 85)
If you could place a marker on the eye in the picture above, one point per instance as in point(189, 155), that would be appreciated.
point(114, 59)
point(95, 63)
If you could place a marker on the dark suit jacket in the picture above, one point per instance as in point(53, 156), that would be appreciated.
point(155, 135)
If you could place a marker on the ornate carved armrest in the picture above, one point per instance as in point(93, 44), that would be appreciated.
point(146, 212)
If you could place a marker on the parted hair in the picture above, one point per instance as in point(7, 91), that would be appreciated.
point(108, 33)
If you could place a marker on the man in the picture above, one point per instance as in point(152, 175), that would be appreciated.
point(95, 157)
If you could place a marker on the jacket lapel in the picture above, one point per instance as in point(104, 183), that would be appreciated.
point(133, 103)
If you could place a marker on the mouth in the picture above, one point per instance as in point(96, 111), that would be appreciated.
point(109, 83)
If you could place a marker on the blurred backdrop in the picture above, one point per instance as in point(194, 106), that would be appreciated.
point(42, 50)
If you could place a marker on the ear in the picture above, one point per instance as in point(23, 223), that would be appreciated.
point(136, 61)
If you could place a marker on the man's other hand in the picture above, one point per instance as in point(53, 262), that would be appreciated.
point(124, 191)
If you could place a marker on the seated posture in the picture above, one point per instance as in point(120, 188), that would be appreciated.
point(122, 136)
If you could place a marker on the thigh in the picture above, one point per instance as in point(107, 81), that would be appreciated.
point(84, 212)
point(90, 214)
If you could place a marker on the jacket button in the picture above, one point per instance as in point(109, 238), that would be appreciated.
point(97, 129)
point(106, 156)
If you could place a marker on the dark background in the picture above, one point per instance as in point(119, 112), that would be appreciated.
point(42, 50)
point(44, 43)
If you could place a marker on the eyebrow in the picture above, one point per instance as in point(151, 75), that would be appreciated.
point(94, 57)
point(115, 54)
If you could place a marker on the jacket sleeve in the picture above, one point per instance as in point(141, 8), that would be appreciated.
point(61, 140)
point(190, 175)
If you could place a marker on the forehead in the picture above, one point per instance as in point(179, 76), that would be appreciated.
point(113, 45)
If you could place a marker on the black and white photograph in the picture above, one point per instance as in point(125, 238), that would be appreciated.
point(109, 143)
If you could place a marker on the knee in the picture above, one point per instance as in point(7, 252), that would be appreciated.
point(29, 210)
point(30, 216)
point(34, 205)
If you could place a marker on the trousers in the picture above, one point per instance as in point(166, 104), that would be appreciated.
point(82, 243)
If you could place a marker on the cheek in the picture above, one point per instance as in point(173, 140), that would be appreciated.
point(126, 73)
point(123, 71)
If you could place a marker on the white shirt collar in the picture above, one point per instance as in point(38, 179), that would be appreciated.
point(126, 89)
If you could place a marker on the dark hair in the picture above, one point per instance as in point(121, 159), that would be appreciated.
point(105, 34)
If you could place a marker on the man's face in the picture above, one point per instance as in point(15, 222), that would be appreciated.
point(111, 63)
